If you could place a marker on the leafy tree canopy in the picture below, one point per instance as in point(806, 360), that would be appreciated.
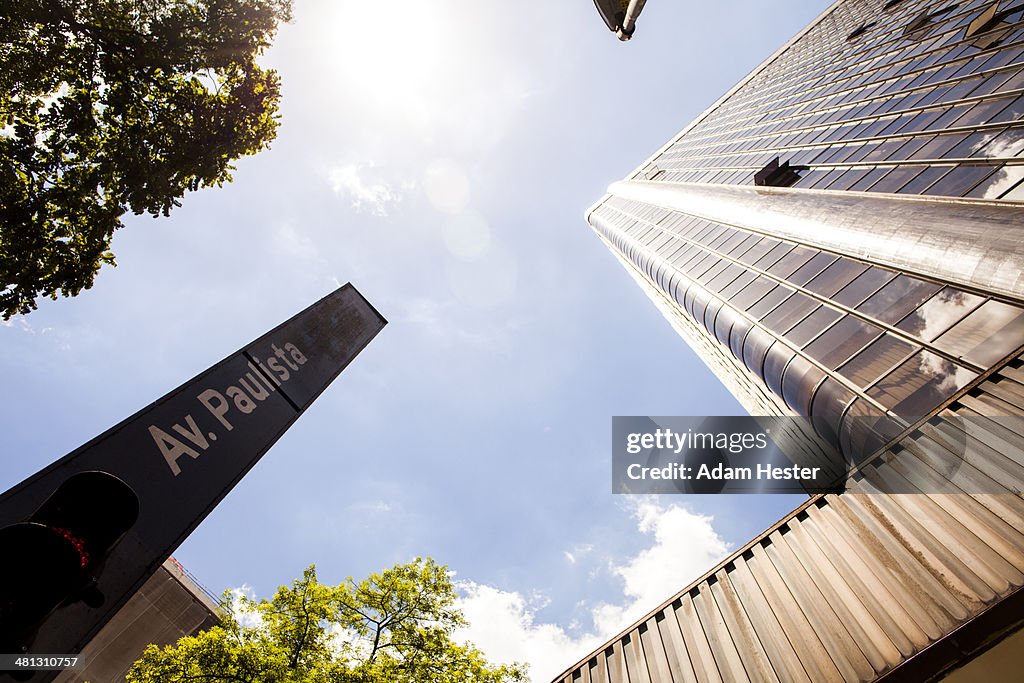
point(392, 627)
point(118, 105)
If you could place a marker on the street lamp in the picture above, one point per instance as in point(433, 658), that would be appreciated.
point(620, 15)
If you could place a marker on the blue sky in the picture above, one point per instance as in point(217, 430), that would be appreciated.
point(440, 157)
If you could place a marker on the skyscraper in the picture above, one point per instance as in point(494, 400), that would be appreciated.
point(840, 236)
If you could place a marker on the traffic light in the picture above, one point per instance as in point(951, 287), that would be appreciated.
point(53, 558)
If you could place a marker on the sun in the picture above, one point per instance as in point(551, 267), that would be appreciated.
point(391, 51)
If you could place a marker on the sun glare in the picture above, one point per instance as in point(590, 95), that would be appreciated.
point(390, 51)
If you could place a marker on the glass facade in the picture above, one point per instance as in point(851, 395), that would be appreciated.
point(913, 97)
point(931, 111)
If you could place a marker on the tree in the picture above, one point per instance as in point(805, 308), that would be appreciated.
point(114, 106)
point(392, 627)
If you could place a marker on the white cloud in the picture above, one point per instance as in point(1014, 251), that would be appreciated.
point(240, 602)
point(685, 546)
point(288, 240)
point(21, 323)
point(505, 626)
point(371, 196)
point(578, 551)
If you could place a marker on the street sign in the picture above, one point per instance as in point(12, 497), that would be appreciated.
point(178, 457)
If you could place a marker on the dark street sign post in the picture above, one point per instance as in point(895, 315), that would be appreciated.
point(80, 537)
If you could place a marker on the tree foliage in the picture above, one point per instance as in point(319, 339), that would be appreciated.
point(392, 627)
point(114, 106)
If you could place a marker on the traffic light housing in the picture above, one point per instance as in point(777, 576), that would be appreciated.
point(53, 558)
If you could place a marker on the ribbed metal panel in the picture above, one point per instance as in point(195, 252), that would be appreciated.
point(851, 586)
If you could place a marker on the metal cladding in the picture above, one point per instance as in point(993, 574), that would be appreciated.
point(881, 274)
point(849, 587)
point(174, 461)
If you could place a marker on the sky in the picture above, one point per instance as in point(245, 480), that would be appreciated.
point(439, 156)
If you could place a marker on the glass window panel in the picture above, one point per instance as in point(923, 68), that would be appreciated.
point(995, 82)
point(975, 145)
point(709, 315)
point(1012, 113)
point(792, 261)
point(769, 301)
point(964, 88)
point(885, 150)
point(939, 313)
point(730, 273)
point(744, 245)
point(848, 178)
point(714, 271)
point(826, 180)
point(695, 259)
point(758, 250)
point(774, 364)
point(881, 356)
point(897, 124)
point(755, 346)
point(1014, 82)
point(706, 264)
point(1016, 194)
point(752, 292)
point(685, 255)
point(839, 342)
point(810, 178)
point(726, 235)
point(700, 299)
point(936, 95)
point(960, 181)
point(732, 242)
point(810, 269)
point(863, 286)
point(911, 148)
point(799, 380)
point(738, 334)
point(986, 335)
point(925, 179)
point(679, 288)
point(774, 255)
point(812, 325)
point(869, 179)
point(863, 151)
point(836, 276)
point(921, 121)
point(830, 400)
point(897, 298)
point(789, 313)
point(724, 322)
point(1006, 145)
point(896, 178)
point(980, 113)
point(920, 384)
point(999, 183)
point(865, 430)
point(939, 147)
point(745, 278)
point(709, 234)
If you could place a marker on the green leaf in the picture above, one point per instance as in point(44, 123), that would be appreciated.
point(115, 107)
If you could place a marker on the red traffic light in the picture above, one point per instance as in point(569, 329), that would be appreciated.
point(52, 558)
